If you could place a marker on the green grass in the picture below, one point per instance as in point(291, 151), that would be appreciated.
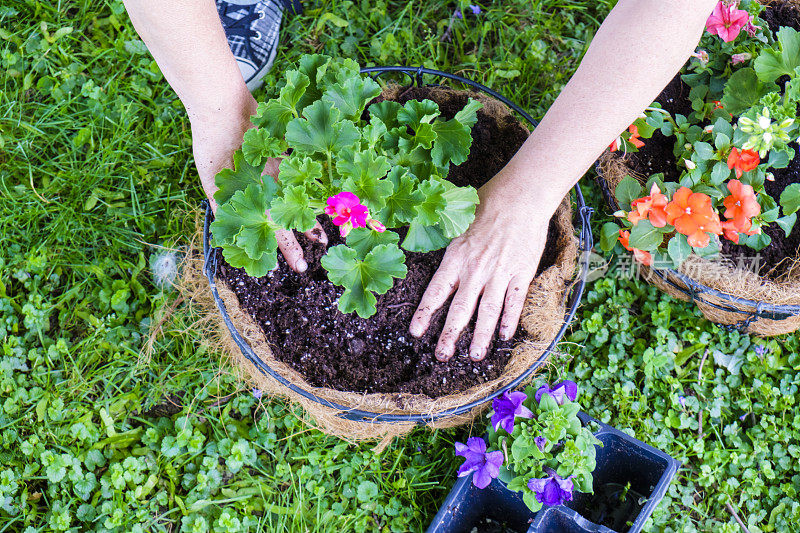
point(96, 175)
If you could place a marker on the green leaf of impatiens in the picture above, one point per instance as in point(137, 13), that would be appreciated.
point(743, 90)
point(433, 203)
point(362, 278)
point(352, 95)
point(401, 204)
point(292, 210)
point(258, 146)
point(468, 116)
point(363, 240)
point(452, 144)
point(609, 236)
point(459, 211)
point(719, 173)
point(417, 112)
point(790, 199)
point(679, 249)
point(299, 170)
point(243, 174)
point(273, 115)
point(645, 237)
point(321, 130)
point(627, 191)
point(704, 150)
point(771, 64)
point(364, 176)
point(386, 112)
point(423, 238)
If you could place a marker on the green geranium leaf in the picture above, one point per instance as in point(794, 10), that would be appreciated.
point(386, 112)
point(424, 136)
point(321, 130)
point(468, 116)
point(402, 203)
point(373, 135)
point(459, 211)
point(423, 238)
point(364, 277)
point(452, 144)
point(258, 146)
point(417, 112)
point(292, 210)
point(352, 95)
point(645, 236)
point(433, 203)
point(273, 115)
point(787, 223)
point(243, 174)
point(743, 90)
point(238, 258)
point(627, 191)
point(790, 199)
point(299, 170)
point(363, 240)
point(364, 176)
point(771, 64)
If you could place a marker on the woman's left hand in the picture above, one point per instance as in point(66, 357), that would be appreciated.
point(494, 261)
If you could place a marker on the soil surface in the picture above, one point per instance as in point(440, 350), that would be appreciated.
point(657, 156)
point(300, 319)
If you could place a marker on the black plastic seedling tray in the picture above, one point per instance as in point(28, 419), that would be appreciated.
point(629, 481)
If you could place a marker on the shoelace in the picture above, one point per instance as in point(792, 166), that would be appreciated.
point(241, 27)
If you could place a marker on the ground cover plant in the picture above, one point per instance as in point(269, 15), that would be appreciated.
point(99, 433)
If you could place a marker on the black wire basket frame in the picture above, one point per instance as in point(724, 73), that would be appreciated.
point(358, 415)
point(698, 292)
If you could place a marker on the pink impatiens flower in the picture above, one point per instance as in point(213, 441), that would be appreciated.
point(727, 21)
point(347, 212)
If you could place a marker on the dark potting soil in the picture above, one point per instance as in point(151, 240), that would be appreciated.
point(299, 317)
point(657, 156)
point(614, 506)
point(490, 525)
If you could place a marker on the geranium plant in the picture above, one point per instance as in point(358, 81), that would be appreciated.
point(744, 92)
point(536, 444)
point(369, 167)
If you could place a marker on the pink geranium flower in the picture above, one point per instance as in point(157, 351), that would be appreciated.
point(727, 21)
point(347, 212)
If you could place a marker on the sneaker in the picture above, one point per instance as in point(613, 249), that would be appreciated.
point(252, 28)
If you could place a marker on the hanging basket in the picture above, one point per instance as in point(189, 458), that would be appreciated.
point(359, 416)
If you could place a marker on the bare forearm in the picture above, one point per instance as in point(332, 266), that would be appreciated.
point(637, 50)
point(188, 43)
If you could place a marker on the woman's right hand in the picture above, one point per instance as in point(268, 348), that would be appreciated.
point(214, 139)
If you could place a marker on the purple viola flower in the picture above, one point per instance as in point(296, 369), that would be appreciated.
point(565, 389)
point(540, 442)
point(485, 465)
point(682, 401)
point(476, 10)
point(257, 394)
point(761, 351)
point(552, 489)
point(506, 407)
point(457, 14)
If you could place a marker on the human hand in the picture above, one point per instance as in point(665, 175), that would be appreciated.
point(214, 142)
point(495, 261)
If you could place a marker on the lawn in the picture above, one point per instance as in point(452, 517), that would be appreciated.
point(97, 183)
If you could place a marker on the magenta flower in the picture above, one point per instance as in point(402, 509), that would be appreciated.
point(751, 28)
point(347, 212)
point(508, 406)
point(727, 21)
point(485, 465)
point(552, 489)
point(565, 389)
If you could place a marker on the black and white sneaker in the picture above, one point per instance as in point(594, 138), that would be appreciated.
point(252, 28)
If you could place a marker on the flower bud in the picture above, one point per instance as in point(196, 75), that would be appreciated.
point(709, 128)
point(767, 138)
point(740, 58)
point(620, 214)
point(764, 122)
point(786, 124)
point(770, 176)
point(689, 164)
point(376, 225)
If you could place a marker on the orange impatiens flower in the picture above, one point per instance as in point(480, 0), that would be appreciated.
point(740, 207)
point(743, 161)
point(634, 140)
point(692, 214)
point(640, 255)
point(650, 207)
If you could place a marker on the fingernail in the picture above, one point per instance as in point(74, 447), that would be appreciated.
point(476, 355)
point(441, 356)
point(503, 333)
point(415, 330)
point(302, 266)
